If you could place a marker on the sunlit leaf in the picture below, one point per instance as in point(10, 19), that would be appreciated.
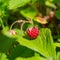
point(49, 4)
point(57, 44)
point(3, 56)
point(58, 56)
point(59, 39)
point(13, 4)
point(29, 12)
point(33, 1)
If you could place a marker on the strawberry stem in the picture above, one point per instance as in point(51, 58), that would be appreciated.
point(19, 21)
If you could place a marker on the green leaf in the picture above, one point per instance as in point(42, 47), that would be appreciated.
point(48, 42)
point(41, 1)
point(5, 43)
point(58, 56)
point(3, 56)
point(57, 44)
point(42, 44)
point(49, 4)
point(57, 1)
point(33, 1)
point(57, 14)
point(31, 58)
point(5, 2)
point(32, 45)
point(1, 23)
point(6, 40)
point(59, 39)
point(50, 0)
point(13, 4)
point(29, 12)
point(24, 54)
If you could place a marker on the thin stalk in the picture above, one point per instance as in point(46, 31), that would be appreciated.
point(2, 23)
point(19, 21)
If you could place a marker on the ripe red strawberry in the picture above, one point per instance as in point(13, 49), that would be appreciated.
point(32, 32)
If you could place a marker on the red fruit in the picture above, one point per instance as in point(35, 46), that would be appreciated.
point(32, 32)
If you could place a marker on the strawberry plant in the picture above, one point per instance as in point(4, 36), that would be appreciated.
point(29, 29)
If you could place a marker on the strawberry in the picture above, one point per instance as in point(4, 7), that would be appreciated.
point(32, 32)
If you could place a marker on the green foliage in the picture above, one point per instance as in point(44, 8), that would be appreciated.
point(23, 54)
point(3, 56)
point(57, 44)
point(29, 12)
point(57, 14)
point(5, 43)
point(17, 3)
point(57, 1)
point(50, 4)
point(42, 1)
point(58, 55)
point(43, 44)
point(16, 16)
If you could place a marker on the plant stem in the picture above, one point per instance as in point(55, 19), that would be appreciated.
point(19, 21)
point(2, 23)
